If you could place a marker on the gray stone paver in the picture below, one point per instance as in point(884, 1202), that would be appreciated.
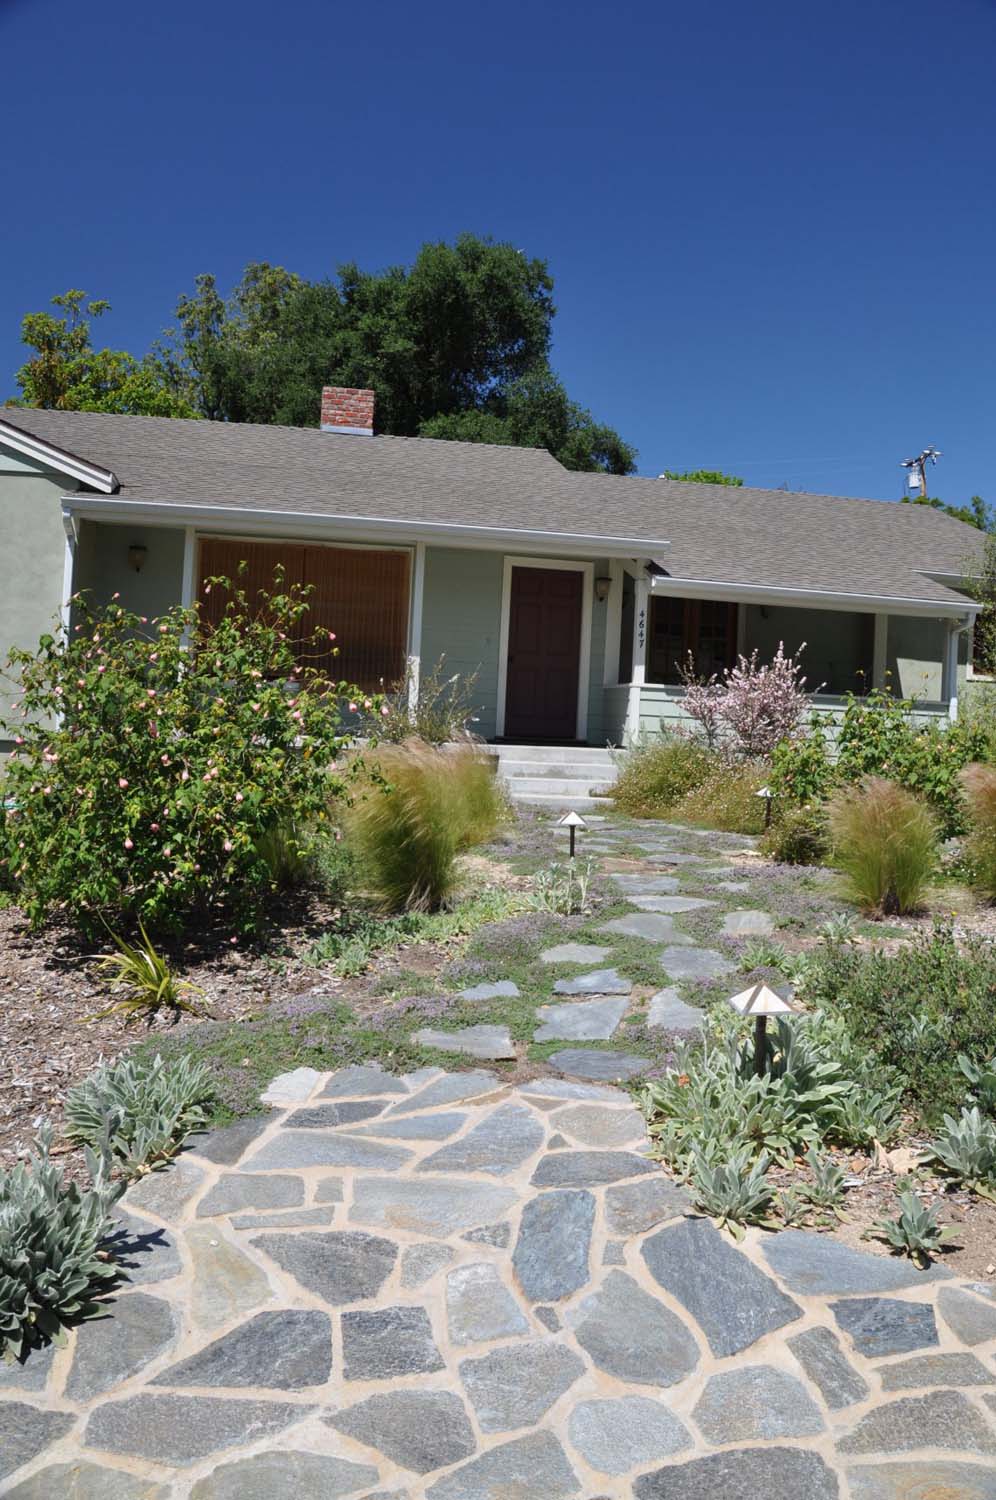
point(437, 1287)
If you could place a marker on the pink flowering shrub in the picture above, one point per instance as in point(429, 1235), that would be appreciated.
point(149, 773)
point(752, 705)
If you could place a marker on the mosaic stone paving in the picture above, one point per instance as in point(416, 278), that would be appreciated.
point(439, 1288)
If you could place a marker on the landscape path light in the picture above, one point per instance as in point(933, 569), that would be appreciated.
point(768, 796)
point(760, 1001)
point(573, 821)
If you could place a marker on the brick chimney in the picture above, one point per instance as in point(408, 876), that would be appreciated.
point(349, 411)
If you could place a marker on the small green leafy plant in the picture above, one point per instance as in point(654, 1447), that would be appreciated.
point(142, 1111)
point(735, 1192)
point(763, 953)
point(978, 784)
point(981, 1081)
point(145, 977)
point(915, 1231)
point(438, 708)
point(826, 1188)
point(798, 835)
point(562, 887)
point(51, 1268)
point(966, 1149)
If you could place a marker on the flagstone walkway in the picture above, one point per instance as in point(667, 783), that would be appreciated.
point(435, 1286)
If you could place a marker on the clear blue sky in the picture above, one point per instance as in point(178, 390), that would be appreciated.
point(771, 224)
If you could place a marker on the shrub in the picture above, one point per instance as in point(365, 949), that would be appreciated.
point(979, 785)
point(656, 774)
point(727, 799)
point(915, 1012)
point(802, 768)
point(407, 831)
point(142, 1111)
point(885, 841)
point(51, 1266)
point(798, 835)
point(147, 774)
point(756, 704)
point(443, 711)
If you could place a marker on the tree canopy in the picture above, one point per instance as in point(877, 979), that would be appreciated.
point(976, 513)
point(456, 345)
point(704, 476)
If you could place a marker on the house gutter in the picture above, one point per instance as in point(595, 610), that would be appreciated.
point(285, 523)
point(964, 610)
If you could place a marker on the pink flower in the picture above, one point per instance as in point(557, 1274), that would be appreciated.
point(367, 703)
point(101, 668)
point(385, 712)
point(128, 844)
point(154, 827)
point(47, 790)
point(164, 759)
point(150, 692)
point(352, 708)
point(296, 714)
point(81, 682)
point(331, 635)
point(162, 630)
point(168, 853)
point(115, 596)
point(122, 782)
point(228, 846)
point(233, 939)
point(185, 776)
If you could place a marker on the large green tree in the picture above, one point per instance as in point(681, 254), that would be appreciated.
point(704, 476)
point(67, 372)
point(976, 513)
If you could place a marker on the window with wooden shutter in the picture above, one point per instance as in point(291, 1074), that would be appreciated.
point(359, 593)
point(705, 629)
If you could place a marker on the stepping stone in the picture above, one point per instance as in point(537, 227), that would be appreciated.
point(340, 1266)
point(132, 1332)
point(327, 1116)
point(143, 1250)
point(489, 1043)
point(388, 1342)
point(291, 1088)
point(816, 1265)
point(647, 885)
point(362, 1079)
point(419, 1263)
point(629, 1334)
point(695, 963)
point(166, 1192)
point(885, 1325)
point(271, 1476)
point(736, 887)
point(670, 1012)
point(479, 1307)
point(574, 953)
point(742, 1406)
point(328, 1190)
point(747, 924)
point(418, 1127)
point(447, 1088)
point(225, 1282)
point(229, 1143)
point(498, 1145)
point(818, 1351)
point(433, 1208)
point(968, 1318)
point(533, 1465)
point(599, 982)
point(420, 1430)
point(936, 1369)
point(929, 1480)
point(312, 1148)
point(551, 1252)
point(743, 1474)
point(181, 1429)
point(589, 1168)
point(582, 1021)
point(287, 1350)
point(675, 857)
point(632, 1207)
point(597, 1125)
point(587, 1063)
point(237, 1190)
point(944, 1419)
point(499, 1235)
point(502, 989)
point(616, 1436)
point(733, 1302)
point(25, 1432)
point(548, 1317)
point(514, 1386)
point(31, 1374)
point(561, 1088)
point(651, 926)
point(85, 1481)
point(673, 904)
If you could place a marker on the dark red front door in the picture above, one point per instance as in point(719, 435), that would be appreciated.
point(544, 654)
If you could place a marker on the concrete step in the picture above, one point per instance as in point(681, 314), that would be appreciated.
point(569, 754)
point(538, 769)
point(553, 786)
point(581, 802)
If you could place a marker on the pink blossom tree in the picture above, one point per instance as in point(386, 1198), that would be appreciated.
point(759, 703)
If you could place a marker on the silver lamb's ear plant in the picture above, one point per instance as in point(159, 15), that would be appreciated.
point(52, 1269)
point(139, 1113)
point(982, 1082)
point(735, 1192)
point(966, 1148)
point(915, 1231)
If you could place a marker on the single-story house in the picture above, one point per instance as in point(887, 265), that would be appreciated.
point(576, 598)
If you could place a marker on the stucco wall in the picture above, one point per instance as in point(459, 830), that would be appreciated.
point(103, 569)
point(461, 613)
point(914, 657)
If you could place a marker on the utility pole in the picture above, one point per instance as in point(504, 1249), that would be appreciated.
point(918, 466)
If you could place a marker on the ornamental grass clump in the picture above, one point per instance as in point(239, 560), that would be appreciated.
point(657, 774)
point(978, 784)
point(885, 841)
point(421, 807)
point(152, 760)
point(52, 1270)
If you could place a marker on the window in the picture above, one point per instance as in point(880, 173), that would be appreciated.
point(704, 628)
point(359, 593)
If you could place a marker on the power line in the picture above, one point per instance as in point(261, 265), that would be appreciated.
point(916, 468)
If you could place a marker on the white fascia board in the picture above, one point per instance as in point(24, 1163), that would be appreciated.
point(247, 521)
point(56, 458)
point(757, 593)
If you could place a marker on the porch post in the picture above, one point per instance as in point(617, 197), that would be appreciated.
point(613, 624)
point(415, 626)
point(641, 611)
point(188, 583)
point(949, 675)
point(880, 652)
point(68, 571)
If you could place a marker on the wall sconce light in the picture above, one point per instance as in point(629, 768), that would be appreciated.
point(602, 586)
point(137, 554)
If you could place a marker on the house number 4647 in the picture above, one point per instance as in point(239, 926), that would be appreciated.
point(641, 628)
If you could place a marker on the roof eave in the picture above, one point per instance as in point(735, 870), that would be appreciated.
point(831, 599)
point(104, 480)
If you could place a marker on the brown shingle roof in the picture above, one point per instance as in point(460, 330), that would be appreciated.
point(772, 538)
